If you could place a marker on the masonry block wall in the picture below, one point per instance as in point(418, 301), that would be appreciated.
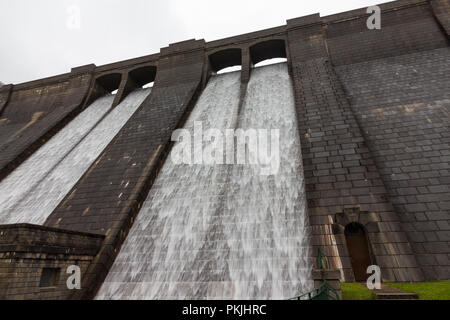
point(339, 169)
point(372, 111)
point(28, 251)
point(396, 83)
point(35, 111)
point(441, 9)
point(406, 26)
point(403, 104)
point(5, 93)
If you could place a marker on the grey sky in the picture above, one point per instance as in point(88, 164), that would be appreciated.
point(36, 41)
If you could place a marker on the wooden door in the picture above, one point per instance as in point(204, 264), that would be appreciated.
point(359, 251)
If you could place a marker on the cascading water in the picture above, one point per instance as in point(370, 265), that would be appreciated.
point(264, 219)
point(15, 187)
point(223, 231)
point(169, 231)
point(32, 191)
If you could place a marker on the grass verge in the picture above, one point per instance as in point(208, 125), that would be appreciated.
point(356, 291)
point(434, 290)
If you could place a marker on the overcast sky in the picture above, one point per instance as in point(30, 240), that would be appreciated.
point(41, 38)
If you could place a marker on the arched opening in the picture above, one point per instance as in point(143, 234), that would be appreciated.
point(109, 82)
point(105, 84)
point(143, 77)
point(268, 52)
point(358, 249)
point(228, 60)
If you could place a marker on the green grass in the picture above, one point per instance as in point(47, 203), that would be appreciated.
point(436, 290)
point(356, 291)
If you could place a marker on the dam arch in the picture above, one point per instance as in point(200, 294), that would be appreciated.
point(143, 76)
point(109, 82)
point(267, 50)
point(102, 85)
point(225, 60)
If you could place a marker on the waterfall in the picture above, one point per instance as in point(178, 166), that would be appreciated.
point(34, 189)
point(223, 231)
point(264, 220)
point(169, 230)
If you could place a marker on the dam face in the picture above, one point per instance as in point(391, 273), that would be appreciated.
point(34, 189)
point(223, 231)
point(352, 134)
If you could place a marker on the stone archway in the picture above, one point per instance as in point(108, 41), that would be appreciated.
point(355, 226)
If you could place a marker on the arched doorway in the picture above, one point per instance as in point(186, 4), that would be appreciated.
point(358, 250)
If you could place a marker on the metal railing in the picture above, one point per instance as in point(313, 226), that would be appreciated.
point(325, 291)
